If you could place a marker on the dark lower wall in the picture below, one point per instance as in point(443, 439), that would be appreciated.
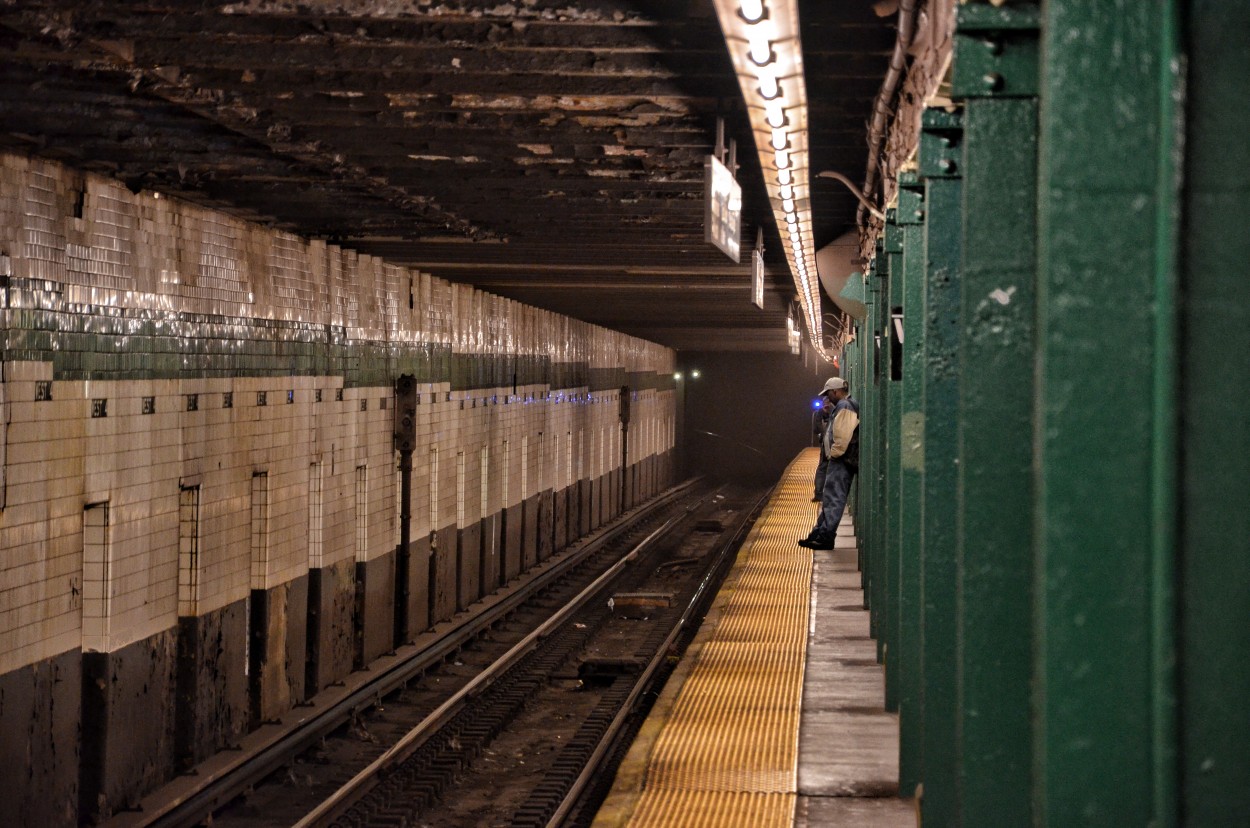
point(418, 588)
point(88, 734)
point(747, 414)
point(443, 571)
point(279, 629)
point(331, 634)
point(39, 709)
point(128, 735)
point(212, 683)
point(512, 532)
point(375, 608)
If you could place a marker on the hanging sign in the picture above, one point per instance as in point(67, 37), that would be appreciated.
point(722, 214)
point(757, 277)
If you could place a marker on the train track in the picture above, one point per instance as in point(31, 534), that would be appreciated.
point(554, 717)
point(437, 714)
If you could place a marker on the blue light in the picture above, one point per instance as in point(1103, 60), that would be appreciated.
point(816, 403)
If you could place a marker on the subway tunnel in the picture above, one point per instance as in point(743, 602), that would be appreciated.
point(327, 324)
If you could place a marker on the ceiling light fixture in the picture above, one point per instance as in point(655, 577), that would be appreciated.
point(760, 50)
point(768, 86)
point(752, 11)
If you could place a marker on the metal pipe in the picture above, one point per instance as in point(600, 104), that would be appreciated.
point(881, 106)
point(405, 440)
point(865, 204)
point(403, 561)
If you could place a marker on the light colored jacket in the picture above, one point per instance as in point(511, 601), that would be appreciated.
point(841, 428)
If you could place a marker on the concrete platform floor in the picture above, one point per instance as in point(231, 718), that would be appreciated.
point(847, 771)
point(848, 743)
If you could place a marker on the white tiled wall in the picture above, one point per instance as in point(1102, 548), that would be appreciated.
point(158, 255)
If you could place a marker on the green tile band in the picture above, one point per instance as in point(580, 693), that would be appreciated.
point(99, 344)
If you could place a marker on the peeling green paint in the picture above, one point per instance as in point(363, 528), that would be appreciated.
point(912, 447)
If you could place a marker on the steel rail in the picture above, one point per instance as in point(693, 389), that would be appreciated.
point(365, 780)
point(644, 681)
point(216, 789)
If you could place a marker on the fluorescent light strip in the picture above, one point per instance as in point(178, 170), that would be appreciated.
point(763, 41)
point(763, 38)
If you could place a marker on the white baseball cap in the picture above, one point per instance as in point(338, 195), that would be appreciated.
point(833, 384)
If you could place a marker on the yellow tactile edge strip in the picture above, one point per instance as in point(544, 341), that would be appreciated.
point(728, 753)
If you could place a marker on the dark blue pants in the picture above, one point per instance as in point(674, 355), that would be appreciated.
point(822, 468)
point(832, 500)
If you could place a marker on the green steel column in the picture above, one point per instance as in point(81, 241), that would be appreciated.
point(940, 162)
point(862, 392)
point(854, 373)
point(881, 378)
point(884, 607)
point(851, 358)
point(1215, 439)
point(870, 440)
point(1105, 463)
point(864, 387)
point(849, 369)
point(876, 479)
point(995, 72)
point(866, 517)
point(892, 548)
point(911, 477)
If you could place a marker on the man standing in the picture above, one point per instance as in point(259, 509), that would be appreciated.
point(820, 424)
point(840, 447)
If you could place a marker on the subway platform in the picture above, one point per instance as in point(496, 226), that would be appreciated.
point(776, 715)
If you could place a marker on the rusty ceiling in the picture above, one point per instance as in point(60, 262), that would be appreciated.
point(547, 150)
